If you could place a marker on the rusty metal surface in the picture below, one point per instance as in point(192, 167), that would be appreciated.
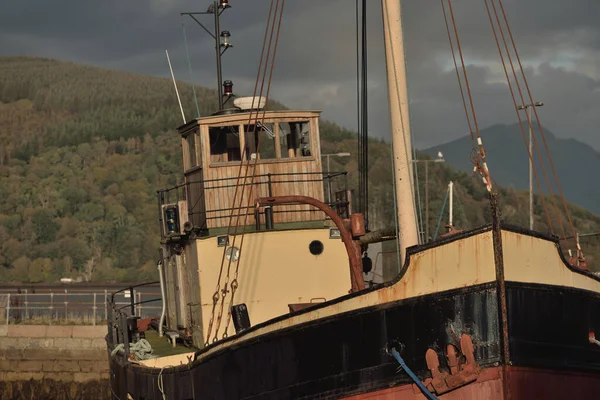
point(299, 306)
point(532, 383)
point(499, 261)
point(525, 384)
point(460, 373)
point(358, 225)
point(488, 386)
point(352, 247)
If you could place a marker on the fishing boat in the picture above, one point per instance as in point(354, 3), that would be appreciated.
point(263, 293)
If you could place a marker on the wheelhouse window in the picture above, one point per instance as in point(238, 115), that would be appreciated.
point(224, 144)
point(260, 141)
point(263, 141)
point(191, 150)
point(294, 139)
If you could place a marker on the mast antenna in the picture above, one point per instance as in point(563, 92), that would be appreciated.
point(222, 43)
point(175, 84)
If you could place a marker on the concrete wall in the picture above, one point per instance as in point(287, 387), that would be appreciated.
point(58, 362)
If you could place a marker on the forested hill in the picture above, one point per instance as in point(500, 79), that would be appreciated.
point(84, 149)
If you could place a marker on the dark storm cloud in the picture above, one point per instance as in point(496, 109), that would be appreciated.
point(559, 43)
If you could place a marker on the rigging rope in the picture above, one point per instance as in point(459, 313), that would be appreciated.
point(538, 122)
point(363, 133)
point(519, 116)
point(479, 158)
point(237, 185)
point(234, 284)
point(460, 204)
point(187, 53)
point(358, 113)
point(233, 289)
point(462, 93)
point(437, 228)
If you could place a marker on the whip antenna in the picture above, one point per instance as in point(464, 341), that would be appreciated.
point(175, 84)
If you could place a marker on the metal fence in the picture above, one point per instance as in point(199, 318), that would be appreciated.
point(72, 306)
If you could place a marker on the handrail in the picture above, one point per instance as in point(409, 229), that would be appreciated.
point(112, 298)
point(323, 174)
point(117, 319)
point(203, 210)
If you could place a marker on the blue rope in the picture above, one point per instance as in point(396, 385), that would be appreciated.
point(190, 66)
point(412, 375)
point(440, 218)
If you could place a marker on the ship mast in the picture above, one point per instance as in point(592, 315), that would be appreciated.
point(400, 125)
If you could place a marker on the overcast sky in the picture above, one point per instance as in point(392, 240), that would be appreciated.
point(558, 40)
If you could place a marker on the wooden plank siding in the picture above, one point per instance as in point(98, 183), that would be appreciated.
point(220, 194)
point(195, 195)
point(212, 185)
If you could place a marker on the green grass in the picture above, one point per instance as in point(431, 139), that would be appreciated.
point(162, 346)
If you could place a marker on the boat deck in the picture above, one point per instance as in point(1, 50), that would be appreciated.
point(162, 346)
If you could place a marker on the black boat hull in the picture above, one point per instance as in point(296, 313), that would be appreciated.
point(345, 355)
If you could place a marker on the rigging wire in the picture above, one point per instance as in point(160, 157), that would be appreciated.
point(479, 157)
point(362, 142)
point(234, 283)
point(460, 204)
point(518, 115)
point(437, 228)
point(237, 185)
point(462, 93)
point(365, 118)
point(187, 53)
point(538, 121)
point(419, 205)
point(279, 19)
point(358, 98)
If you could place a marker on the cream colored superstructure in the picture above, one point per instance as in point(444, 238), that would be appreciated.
point(461, 263)
point(529, 259)
point(276, 269)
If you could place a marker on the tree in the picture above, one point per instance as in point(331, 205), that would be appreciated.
point(44, 225)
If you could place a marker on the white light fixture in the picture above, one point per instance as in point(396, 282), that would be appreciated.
point(226, 39)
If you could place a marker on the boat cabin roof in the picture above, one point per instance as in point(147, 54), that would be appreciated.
point(241, 117)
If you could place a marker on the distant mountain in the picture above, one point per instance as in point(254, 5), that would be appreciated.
point(575, 162)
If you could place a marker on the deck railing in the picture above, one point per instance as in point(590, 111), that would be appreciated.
point(196, 191)
point(119, 314)
point(70, 306)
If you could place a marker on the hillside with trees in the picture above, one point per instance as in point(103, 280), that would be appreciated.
point(84, 149)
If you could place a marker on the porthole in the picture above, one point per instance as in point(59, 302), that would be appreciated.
point(315, 247)
point(232, 253)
